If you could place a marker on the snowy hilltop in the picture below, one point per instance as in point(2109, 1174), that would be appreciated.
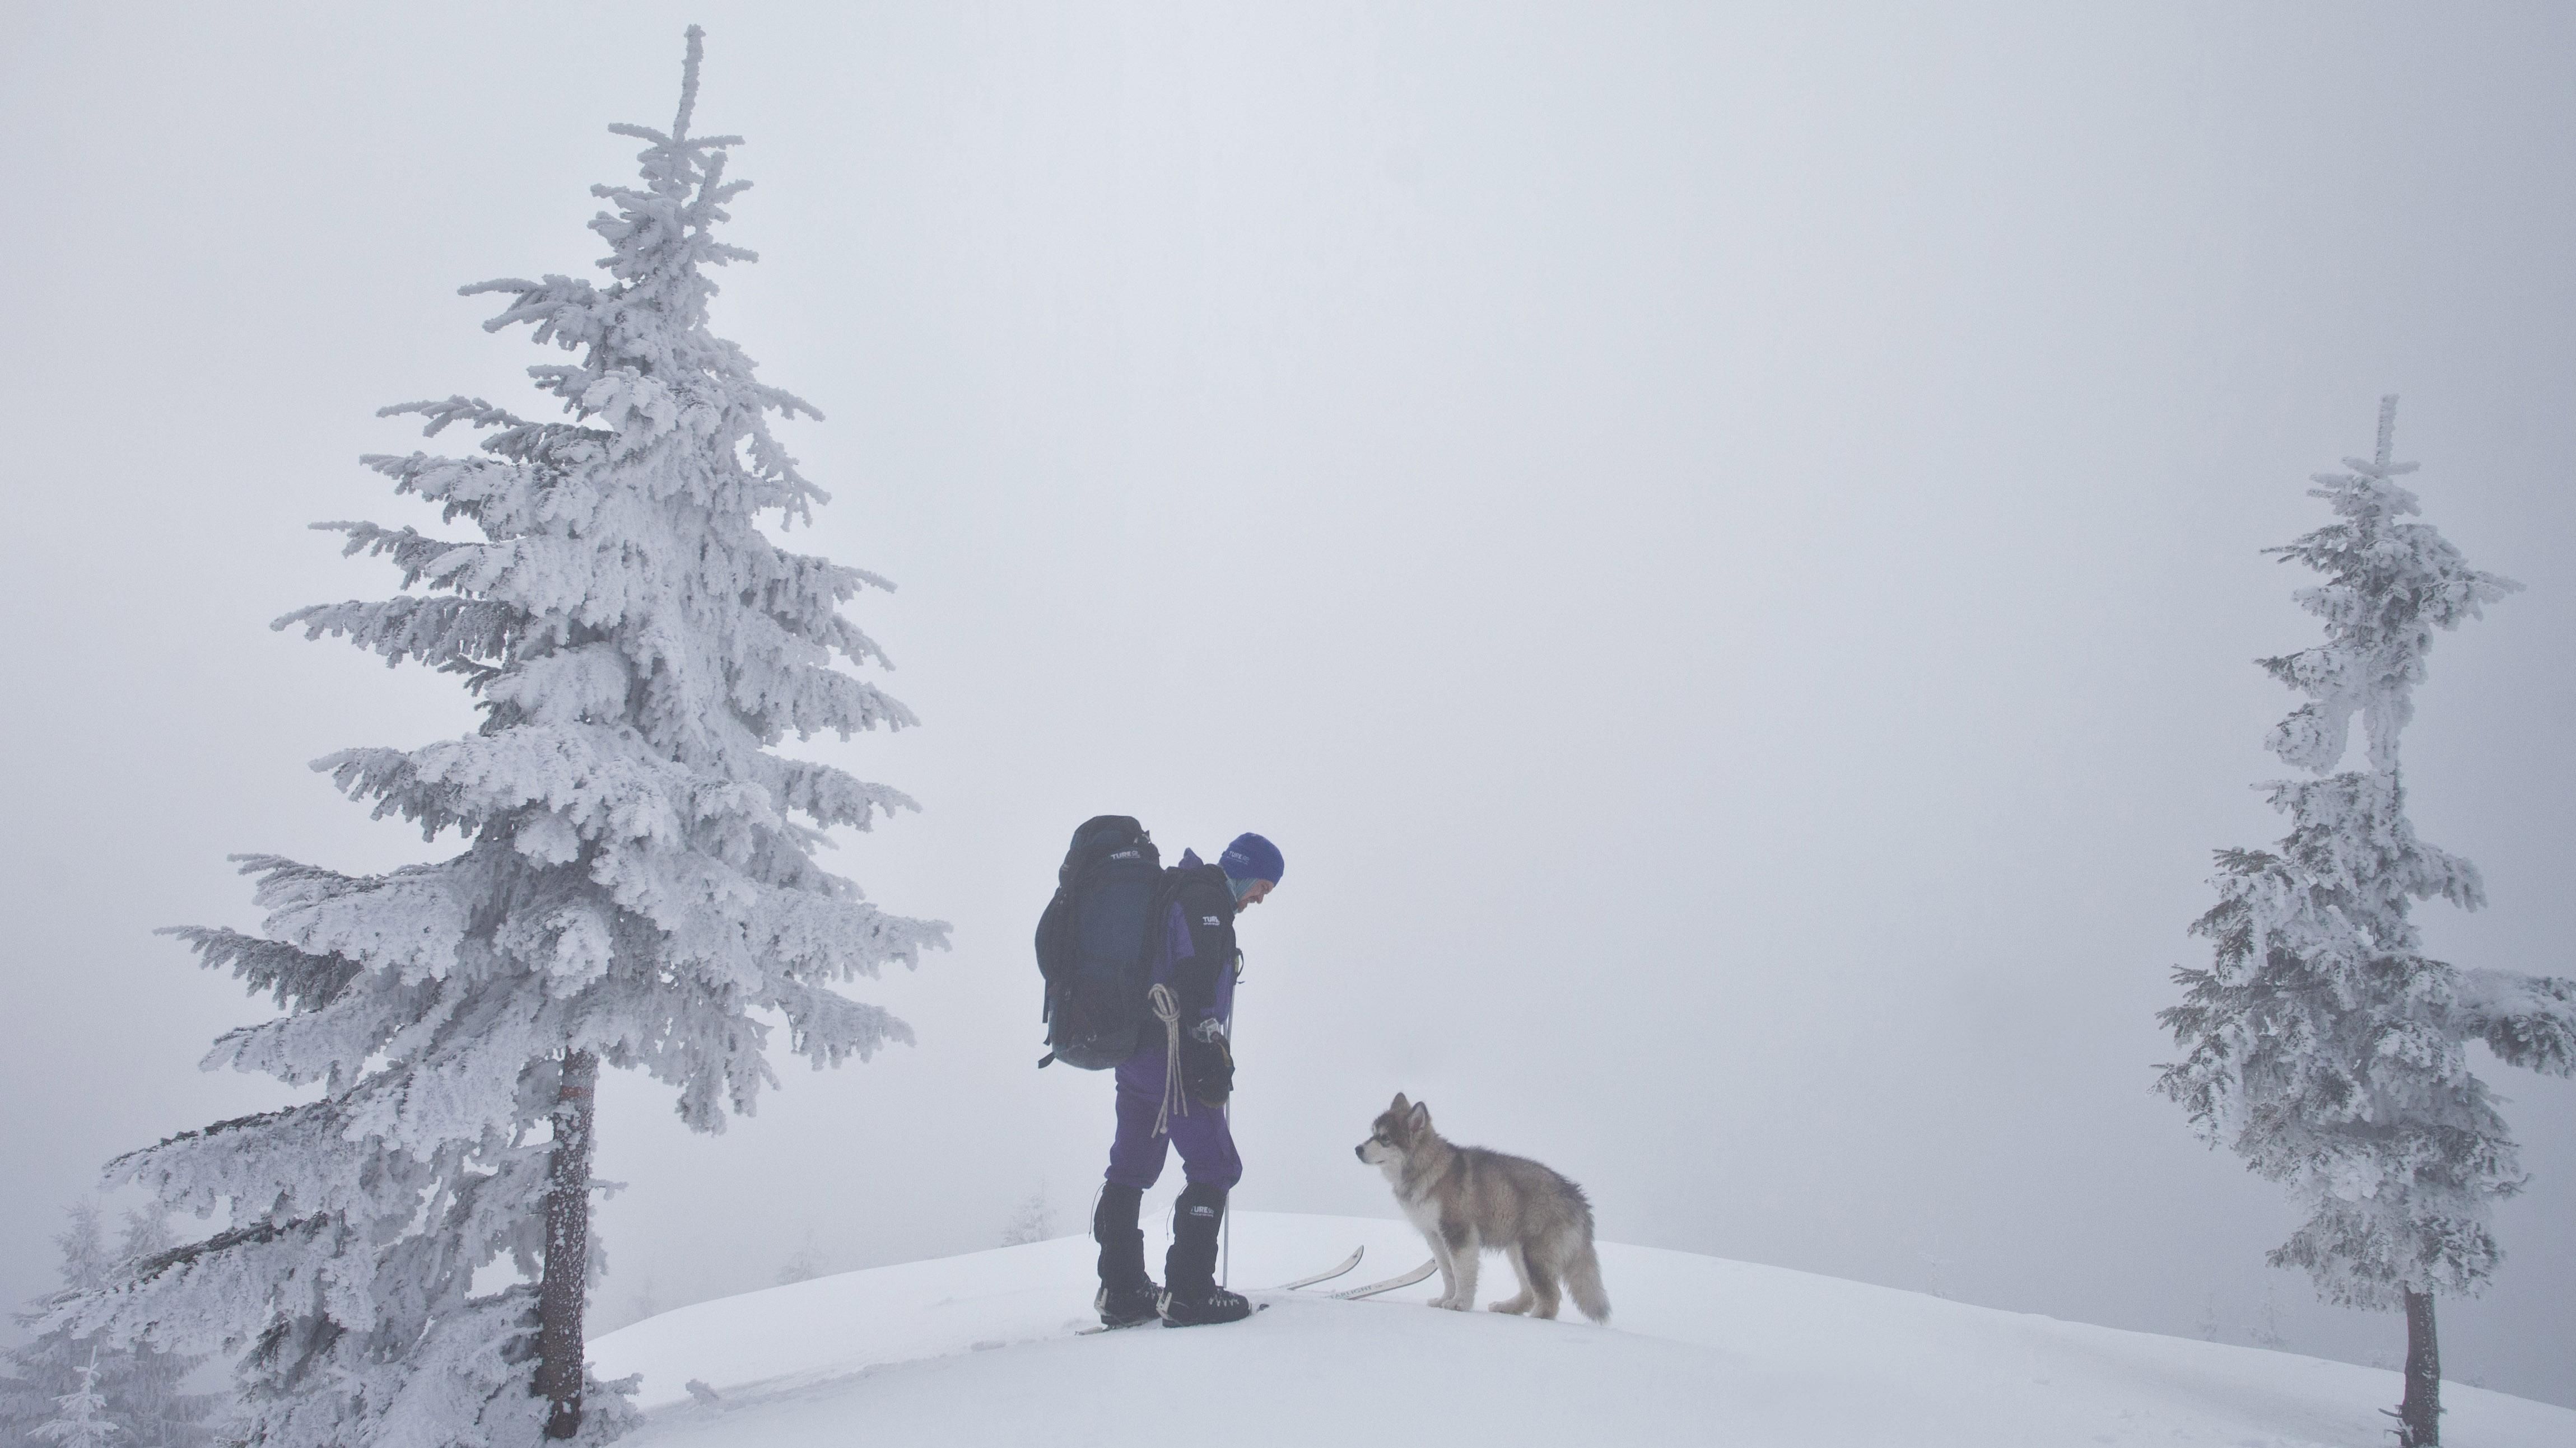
point(984, 1349)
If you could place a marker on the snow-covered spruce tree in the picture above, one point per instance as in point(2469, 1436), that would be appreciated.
point(803, 1265)
point(146, 1387)
point(82, 1421)
point(140, 1389)
point(1033, 1220)
point(49, 1365)
point(634, 886)
point(2325, 1047)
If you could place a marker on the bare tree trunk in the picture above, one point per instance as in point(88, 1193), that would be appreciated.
point(561, 1295)
point(2419, 1416)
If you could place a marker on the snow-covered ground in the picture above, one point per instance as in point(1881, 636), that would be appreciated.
point(981, 1349)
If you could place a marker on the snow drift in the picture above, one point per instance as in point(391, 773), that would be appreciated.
point(982, 1349)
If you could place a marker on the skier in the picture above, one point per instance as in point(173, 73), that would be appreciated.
point(1176, 1097)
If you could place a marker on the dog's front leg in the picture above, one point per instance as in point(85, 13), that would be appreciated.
point(1448, 1273)
point(1458, 1253)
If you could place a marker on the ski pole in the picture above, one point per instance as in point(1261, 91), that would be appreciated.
point(1225, 1229)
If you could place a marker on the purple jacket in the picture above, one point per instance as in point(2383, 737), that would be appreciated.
point(1188, 932)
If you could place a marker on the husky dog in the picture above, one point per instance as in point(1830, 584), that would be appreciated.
point(1466, 1201)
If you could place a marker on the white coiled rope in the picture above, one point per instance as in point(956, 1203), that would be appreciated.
point(1168, 1011)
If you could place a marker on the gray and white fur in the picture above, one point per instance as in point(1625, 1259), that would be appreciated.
point(1467, 1201)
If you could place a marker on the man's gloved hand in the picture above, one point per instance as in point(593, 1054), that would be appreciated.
point(1207, 1064)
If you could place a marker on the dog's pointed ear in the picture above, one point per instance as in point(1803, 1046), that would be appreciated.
point(1401, 1105)
point(1421, 1118)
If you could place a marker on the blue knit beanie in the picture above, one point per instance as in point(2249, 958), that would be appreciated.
point(1251, 857)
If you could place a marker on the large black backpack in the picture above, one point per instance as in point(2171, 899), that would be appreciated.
point(1096, 943)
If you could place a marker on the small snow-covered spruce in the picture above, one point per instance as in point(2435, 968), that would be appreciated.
point(2266, 1329)
point(54, 1362)
point(82, 1422)
point(645, 1303)
point(636, 887)
point(805, 1264)
point(141, 1388)
point(1033, 1220)
point(2324, 1047)
point(145, 1386)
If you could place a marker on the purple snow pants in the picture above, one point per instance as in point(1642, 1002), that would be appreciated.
point(1136, 1156)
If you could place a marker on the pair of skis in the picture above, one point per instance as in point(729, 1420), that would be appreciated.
point(1353, 1294)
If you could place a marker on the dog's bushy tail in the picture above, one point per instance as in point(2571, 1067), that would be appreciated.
point(1583, 1283)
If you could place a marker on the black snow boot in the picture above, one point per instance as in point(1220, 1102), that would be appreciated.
point(1127, 1295)
point(1193, 1299)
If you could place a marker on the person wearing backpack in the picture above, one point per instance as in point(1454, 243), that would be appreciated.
point(1172, 1092)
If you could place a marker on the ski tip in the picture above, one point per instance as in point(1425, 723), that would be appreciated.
point(1328, 1274)
point(1418, 1274)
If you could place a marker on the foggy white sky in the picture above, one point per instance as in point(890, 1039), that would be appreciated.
point(1721, 541)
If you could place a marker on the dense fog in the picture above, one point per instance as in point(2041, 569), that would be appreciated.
point(1724, 547)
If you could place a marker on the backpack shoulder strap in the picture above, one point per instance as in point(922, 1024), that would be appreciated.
point(1208, 911)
